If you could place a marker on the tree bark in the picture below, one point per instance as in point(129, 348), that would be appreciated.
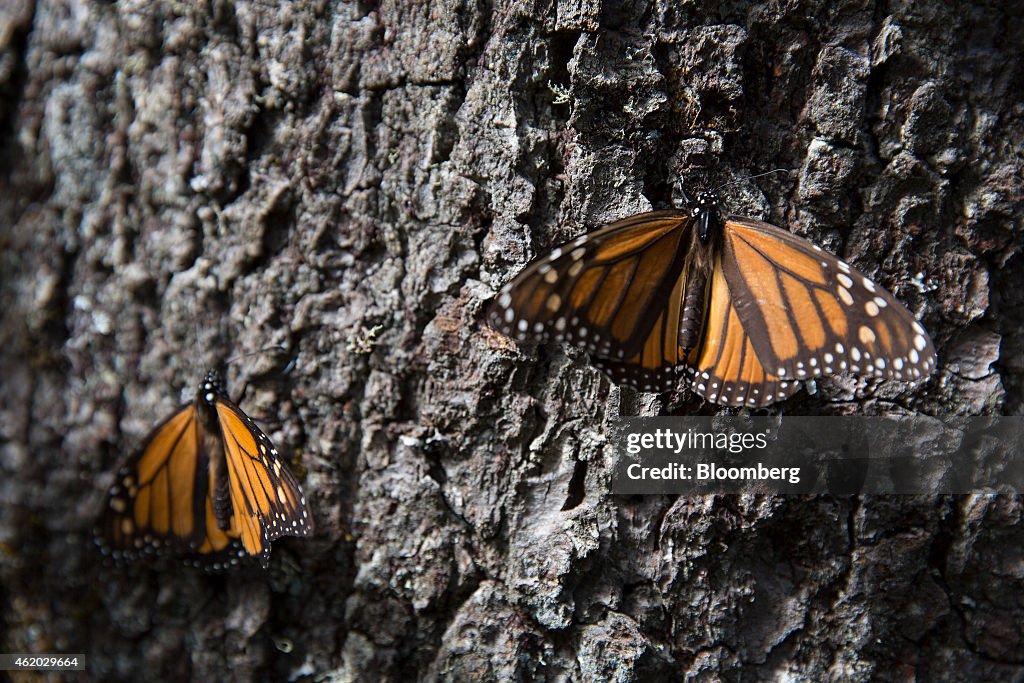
point(184, 182)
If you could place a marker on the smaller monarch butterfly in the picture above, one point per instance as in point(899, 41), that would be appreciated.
point(744, 310)
point(207, 484)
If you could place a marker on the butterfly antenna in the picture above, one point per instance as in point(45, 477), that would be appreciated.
point(195, 323)
point(751, 177)
point(680, 198)
point(265, 349)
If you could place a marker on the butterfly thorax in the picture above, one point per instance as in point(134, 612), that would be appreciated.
point(705, 211)
point(212, 444)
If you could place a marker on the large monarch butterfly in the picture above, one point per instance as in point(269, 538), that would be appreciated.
point(207, 484)
point(745, 309)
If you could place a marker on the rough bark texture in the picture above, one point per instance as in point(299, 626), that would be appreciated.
point(353, 180)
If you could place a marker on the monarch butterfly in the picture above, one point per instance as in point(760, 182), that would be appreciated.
point(207, 483)
point(747, 310)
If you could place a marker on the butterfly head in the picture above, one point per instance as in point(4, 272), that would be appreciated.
point(212, 386)
point(704, 209)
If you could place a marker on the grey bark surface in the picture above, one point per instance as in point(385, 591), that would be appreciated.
point(183, 182)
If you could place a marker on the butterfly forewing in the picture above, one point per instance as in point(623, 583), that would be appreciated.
point(159, 495)
point(657, 366)
point(809, 313)
point(603, 291)
point(266, 500)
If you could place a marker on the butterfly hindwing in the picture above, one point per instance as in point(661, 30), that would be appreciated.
point(657, 365)
point(808, 313)
point(725, 367)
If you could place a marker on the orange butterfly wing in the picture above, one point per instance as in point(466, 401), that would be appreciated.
point(266, 500)
point(601, 291)
point(159, 498)
point(726, 368)
point(656, 367)
point(605, 292)
point(808, 313)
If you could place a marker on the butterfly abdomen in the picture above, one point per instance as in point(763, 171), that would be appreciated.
point(692, 316)
point(222, 508)
point(212, 447)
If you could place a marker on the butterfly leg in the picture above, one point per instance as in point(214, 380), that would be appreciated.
point(680, 198)
point(242, 393)
point(241, 397)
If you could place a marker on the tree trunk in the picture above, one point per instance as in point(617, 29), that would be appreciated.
point(183, 183)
